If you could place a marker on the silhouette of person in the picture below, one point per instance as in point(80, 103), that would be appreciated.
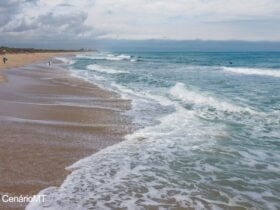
point(5, 60)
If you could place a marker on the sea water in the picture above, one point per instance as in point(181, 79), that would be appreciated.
point(207, 134)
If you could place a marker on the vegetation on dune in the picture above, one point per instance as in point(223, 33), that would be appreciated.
point(4, 50)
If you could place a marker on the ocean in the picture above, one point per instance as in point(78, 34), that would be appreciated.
point(207, 134)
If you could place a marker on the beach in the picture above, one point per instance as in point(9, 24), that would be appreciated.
point(21, 59)
point(139, 105)
point(208, 134)
point(49, 120)
point(202, 133)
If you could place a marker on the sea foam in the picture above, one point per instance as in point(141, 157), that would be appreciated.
point(104, 56)
point(181, 92)
point(182, 160)
point(128, 175)
point(253, 71)
point(65, 60)
point(102, 69)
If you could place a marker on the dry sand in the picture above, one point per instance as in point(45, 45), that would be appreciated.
point(21, 59)
point(49, 120)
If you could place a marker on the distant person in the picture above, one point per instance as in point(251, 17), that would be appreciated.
point(5, 60)
point(49, 62)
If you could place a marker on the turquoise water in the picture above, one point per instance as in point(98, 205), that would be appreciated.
point(208, 134)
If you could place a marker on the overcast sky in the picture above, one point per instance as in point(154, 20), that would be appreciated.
point(73, 21)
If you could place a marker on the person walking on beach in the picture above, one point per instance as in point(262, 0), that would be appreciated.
point(5, 60)
point(49, 62)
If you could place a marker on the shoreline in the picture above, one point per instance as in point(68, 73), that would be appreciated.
point(49, 120)
point(22, 59)
point(16, 60)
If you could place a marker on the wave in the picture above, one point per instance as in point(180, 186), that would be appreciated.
point(131, 168)
point(154, 166)
point(181, 92)
point(65, 60)
point(101, 69)
point(110, 57)
point(179, 161)
point(252, 71)
point(121, 57)
point(158, 166)
point(125, 91)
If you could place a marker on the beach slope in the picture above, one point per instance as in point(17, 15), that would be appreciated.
point(49, 120)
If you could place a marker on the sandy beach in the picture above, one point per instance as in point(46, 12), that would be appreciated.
point(21, 59)
point(49, 120)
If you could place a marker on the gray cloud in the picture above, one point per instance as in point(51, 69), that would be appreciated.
point(76, 20)
point(71, 20)
point(7, 10)
point(25, 25)
point(10, 8)
point(65, 5)
point(33, 20)
point(70, 25)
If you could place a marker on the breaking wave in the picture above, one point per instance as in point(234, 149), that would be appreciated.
point(252, 71)
point(181, 92)
point(101, 69)
point(109, 57)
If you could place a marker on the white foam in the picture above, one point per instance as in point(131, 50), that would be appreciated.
point(181, 92)
point(122, 171)
point(162, 100)
point(65, 60)
point(105, 56)
point(118, 57)
point(102, 69)
point(253, 71)
point(87, 56)
point(159, 165)
point(155, 166)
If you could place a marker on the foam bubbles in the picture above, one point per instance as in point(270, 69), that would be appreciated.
point(205, 151)
point(176, 163)
point(128, 175)
point(65, 60)
point(253, 71)
point(102, 69)
point(181, 92)
point(106, 56)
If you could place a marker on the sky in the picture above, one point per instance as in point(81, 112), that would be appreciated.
point(73, 22)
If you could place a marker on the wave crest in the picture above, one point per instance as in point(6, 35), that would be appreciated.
point(252, 71)
point(101, 69)
point(109, 57)
point(180, 92)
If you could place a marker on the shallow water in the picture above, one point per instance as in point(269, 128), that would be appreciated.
point(208, 134)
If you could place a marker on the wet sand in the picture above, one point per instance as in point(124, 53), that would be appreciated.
point(49, 120)
point(2, 78)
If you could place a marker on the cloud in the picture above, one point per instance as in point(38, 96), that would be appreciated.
point(180, 19)
point(66, 20)
point(7, 10)
point(43, 20)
